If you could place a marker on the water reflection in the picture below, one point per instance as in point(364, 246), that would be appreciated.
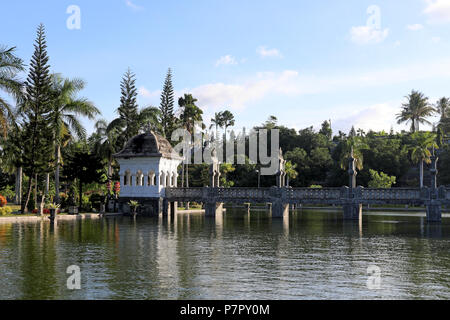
point(237, 255)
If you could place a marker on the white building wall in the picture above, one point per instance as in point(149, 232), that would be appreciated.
point(161, 167)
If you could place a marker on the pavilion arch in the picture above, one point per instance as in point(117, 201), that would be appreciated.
point(139, 178)
point(167, 184)
point(127, 178)
point(151, 178)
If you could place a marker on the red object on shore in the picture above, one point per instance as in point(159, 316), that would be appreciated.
point(3, 201)
point(117, 187)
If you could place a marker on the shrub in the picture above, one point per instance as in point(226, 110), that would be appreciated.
point(381, 180)
point(3, 201)
point(314, 186)
point(96, 200)
point(5, 210)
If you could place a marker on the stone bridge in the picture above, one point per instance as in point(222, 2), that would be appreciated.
point(351, 199)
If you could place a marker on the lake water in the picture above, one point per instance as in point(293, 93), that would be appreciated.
point(311, 255)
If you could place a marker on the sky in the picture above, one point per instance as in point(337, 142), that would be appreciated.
point(348, 61)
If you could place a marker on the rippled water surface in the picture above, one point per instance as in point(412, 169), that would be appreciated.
point(311, 255)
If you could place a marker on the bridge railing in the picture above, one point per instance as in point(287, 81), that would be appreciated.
point(240, 193)
point(327, 195)
point(184, 193)
point(402, 194)
point(312, 194)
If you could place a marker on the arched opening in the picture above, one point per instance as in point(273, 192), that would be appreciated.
point(127, 178)
point(139, 178)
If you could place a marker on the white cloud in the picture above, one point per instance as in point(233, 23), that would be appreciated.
point(133, 6)
point(368, 35)
point(272, 53)
point(226, 60)
point(143, 92)
point(436, 39)
point(376, 117)
point(438, 11)
point(414, 27)
point(249, 92)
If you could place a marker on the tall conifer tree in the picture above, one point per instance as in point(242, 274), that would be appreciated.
point(167, 118)
point(128, 110)
point(37, 134)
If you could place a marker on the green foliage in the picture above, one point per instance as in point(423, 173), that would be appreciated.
point(10, 66)
point(225, 169)
point(8, 192)
point(381, 180)
point(84, 167)
point(96, 200)
point(5, 211)
point(315, 186)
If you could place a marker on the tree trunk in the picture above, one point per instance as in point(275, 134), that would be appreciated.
point(18, 197)
point(110, 169)
point(47, 183)
point(57, 154)
point(24, 205)
point(35, 190)
point(421, 173)
point(41, 207)
point(187, 183)
point(81, 193)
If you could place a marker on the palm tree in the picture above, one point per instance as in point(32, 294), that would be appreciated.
point(10, 65)
point(105, 143)
point(420, 150)
point(190, 114)
point(227, 119)
point(415, 110)
point(150, 116)
point(442, 108)
point(353, 146)
point(66, 108)
point(217, 122)
point(291, 173)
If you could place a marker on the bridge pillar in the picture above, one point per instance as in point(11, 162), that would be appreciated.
point(434, 212)
point(173, 208)
point(352, 211)
point(280, 209)
point(165, 208)
point(213, 208)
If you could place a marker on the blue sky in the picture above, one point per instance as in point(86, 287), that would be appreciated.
point(302, 61)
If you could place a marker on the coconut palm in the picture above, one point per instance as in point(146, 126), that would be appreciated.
point(442, 107)
point(227, 119)
point(420, 150)
point(291, 173)
point(66, 110)
point(353, 146)
point(145, 119)
point(217, 122)
point(415, 110)
point(190, 114)
point(105, 143)
point(10, 66)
